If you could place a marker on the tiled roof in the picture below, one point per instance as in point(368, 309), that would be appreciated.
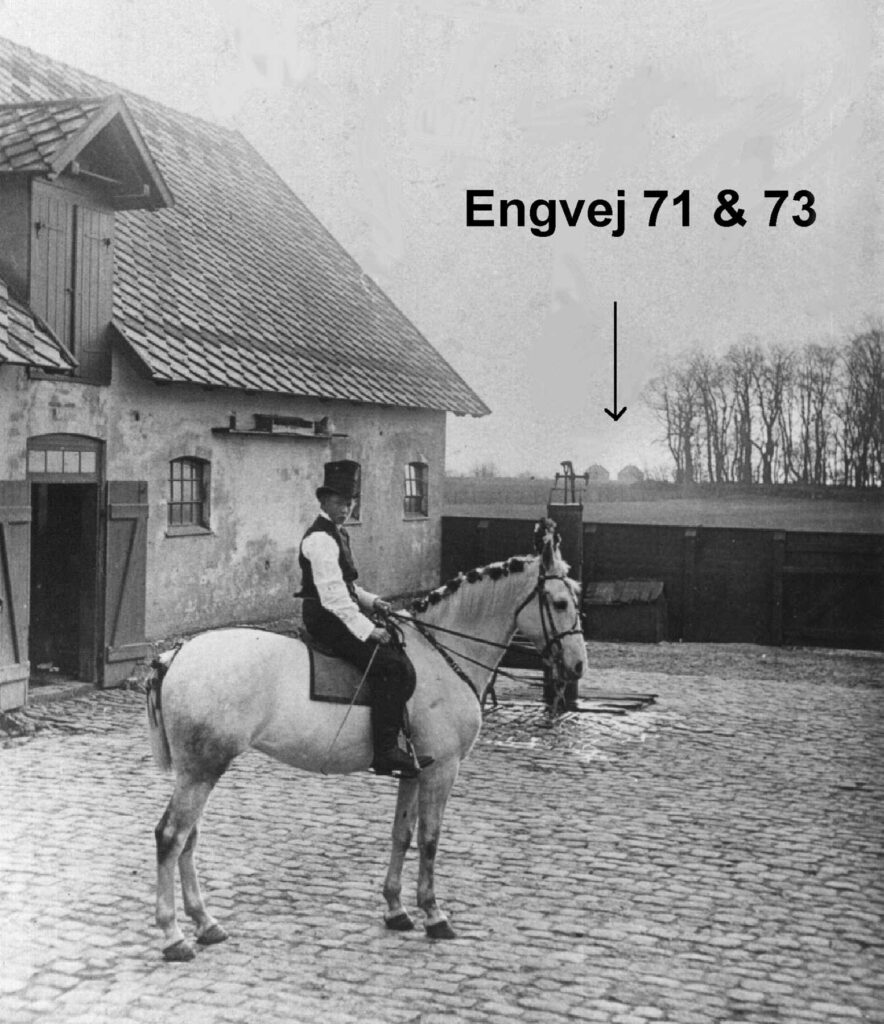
point(25, 340)
point(32, 133)
point(238, 284)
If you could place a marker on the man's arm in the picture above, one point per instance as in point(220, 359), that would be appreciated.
point(370, 602)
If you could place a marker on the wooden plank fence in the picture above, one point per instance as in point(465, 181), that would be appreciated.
point(722, 584)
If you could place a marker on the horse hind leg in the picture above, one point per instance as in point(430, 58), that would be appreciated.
point(173, 833)
point(397, 917)
point(208, 931)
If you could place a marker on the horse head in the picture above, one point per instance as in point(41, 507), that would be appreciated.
point(550, 615)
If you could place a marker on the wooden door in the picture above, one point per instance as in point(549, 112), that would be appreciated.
point(93, 279)
point(88, 634)
point(52, 259)
point(126, 512)
point(15, 555)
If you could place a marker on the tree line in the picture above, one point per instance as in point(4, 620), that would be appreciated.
point(812, 414)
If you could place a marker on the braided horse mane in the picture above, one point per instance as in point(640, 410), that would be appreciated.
point(494, 571)
point(543, 529)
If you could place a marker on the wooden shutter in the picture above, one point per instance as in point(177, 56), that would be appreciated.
point(52, 247)
point(93, 280)
point(15, 570)
point(125, 579)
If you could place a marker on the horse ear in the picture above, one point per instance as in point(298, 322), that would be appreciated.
point(546, 542)
point(544, 529)
point(550, 553)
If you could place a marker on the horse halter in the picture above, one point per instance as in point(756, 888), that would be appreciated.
point(552, 649)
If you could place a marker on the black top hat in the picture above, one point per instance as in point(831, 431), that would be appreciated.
point(341, 478)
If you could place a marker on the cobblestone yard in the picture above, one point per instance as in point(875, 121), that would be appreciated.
point(713, 859)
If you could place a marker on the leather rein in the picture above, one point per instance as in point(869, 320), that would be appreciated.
point(552, 649)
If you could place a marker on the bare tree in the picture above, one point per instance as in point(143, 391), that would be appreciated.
point(771, 373)
point(861, 409)
point(674, 398)
point(717, 410)
point(659, 473)
point(813, 415)
point(741, 362)
point(810, 400)
point(484, 470)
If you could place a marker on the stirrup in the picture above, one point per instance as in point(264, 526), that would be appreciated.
point(394, 773)
point(399, 764)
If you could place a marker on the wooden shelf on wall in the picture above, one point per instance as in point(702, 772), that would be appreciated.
point(270, 425)
point(285, 435)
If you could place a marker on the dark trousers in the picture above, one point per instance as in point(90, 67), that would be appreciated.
point(391, 678)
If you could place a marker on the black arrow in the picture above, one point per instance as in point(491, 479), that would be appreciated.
point(615, 415)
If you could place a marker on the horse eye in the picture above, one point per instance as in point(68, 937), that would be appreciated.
point(560, 606)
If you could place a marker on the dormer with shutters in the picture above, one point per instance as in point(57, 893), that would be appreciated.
point(66, 168)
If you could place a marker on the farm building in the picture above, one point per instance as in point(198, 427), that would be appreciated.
point(183, 346)
point(630, 475)
point(596, 474)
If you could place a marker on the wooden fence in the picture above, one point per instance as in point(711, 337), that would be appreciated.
point(721, 584)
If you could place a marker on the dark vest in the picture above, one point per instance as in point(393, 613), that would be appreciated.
point(345, 559)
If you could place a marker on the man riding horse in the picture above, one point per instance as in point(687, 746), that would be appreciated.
point(334, 614)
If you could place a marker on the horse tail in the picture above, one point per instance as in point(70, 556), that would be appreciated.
point(159, 741)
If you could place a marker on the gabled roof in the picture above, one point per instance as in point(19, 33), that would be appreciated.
point(47, 137)
point(239, 285)
point(26, 341)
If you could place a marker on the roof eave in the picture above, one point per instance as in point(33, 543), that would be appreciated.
point(145, 368)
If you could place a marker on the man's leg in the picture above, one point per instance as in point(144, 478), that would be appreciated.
point(392, 683)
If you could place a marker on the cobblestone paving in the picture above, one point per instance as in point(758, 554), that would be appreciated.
point(713, 859)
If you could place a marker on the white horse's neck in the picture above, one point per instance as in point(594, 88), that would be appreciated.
point(481, 614)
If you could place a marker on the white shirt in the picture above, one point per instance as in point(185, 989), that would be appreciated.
point(323, 553)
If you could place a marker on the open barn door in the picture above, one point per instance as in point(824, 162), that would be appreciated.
point(125, 579)
point(15, 555)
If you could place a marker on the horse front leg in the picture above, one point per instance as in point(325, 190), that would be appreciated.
point(435, 786)
point(397, 917)
point(208, 931)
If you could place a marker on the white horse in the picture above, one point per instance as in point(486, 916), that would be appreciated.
point(231, 690)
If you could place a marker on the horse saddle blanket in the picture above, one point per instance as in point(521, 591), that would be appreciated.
point(335, 680)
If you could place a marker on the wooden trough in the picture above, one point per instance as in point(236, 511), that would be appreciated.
point(626, 610)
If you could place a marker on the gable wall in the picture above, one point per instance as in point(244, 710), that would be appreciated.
point(262, 489)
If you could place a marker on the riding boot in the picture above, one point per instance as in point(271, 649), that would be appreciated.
point(389, 757)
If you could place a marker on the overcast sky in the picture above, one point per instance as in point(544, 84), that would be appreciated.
point(382, 114)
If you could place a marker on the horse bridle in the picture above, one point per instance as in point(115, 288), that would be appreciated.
point(553, 648)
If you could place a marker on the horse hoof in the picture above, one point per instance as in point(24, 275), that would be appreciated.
point(400, 922)
point(179, 952)
point(212, 936)
point(440, 930)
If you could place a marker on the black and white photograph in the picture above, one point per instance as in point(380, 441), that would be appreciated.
point(442, 511)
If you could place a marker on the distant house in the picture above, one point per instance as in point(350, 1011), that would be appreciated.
point(630, 475)
point(183, 346)
point(597, 474)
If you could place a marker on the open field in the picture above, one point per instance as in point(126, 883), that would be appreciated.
point(651, 503)
point(761, 513)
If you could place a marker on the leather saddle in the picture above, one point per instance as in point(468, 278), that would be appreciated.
point(333, 679)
